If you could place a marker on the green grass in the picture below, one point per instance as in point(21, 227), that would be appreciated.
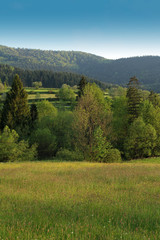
point(147, 160)
point(41, 96)
point(64, 200)
point(41, 90)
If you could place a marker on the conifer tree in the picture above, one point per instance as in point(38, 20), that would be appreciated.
point(34, 114)
point(81, 86)
point(134, 99)
point(16, 112)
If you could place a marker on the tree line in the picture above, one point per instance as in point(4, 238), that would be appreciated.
point(99, 127)
point(48, 79)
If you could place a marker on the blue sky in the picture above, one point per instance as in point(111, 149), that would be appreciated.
point(108, 28)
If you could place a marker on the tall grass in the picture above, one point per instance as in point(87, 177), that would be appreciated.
point(46, 200)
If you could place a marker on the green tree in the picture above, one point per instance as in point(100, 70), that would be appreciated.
point(12, 150)
point(81, 86)
point(62, 128)
point(92, 111)
point(134, 99)
point(120, 122)
point(36, 85)
point(46, 109)
point(16, 112)
point(154, 99)
point(46, 142)
point(43, 134)
point(141, 140)
point(34, 115)
point(66, 93)
point(117, 91)
point(151, 115)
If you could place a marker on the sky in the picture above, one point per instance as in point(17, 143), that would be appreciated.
point(108, 28)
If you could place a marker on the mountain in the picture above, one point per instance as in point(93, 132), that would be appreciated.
point(146, 69)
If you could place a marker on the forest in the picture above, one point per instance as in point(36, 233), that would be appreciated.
point(111, 126)
point(145, 68)
point(48, 79)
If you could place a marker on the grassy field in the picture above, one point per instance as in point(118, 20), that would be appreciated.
point(64, 200)
point(41, 96)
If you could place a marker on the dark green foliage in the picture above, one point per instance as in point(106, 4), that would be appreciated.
point(68, 155)
point(45, 141)
point(34, 114)
point(81, 86)
point(134, 99)
point(48, 79)
point(16, 112)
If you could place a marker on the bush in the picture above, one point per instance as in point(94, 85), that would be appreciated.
point(113, 155)
point(67, 155)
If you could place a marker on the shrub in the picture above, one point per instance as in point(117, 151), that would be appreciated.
point(67, 155)
point(113, 155)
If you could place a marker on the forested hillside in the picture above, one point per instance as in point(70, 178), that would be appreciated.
point(146, 69)
point(48, 78)
point(71, 61)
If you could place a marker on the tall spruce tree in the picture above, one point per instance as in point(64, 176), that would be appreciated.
point(134, 99)
point(16, 112)
point(81, 86)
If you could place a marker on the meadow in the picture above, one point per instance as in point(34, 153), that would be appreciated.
point(79, 200)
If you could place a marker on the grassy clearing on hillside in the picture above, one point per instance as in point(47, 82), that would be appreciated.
point(41, 96)
point(54, 200)
point(41, 90)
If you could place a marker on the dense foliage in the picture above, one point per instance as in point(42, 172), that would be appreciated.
point(45, 78)
point(98, 127)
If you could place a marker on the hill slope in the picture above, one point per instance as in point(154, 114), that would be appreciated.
point(32, 59)
point(146, 69)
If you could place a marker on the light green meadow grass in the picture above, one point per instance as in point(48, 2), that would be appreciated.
point(41, 90)
point(64, 200)
point(43, 96)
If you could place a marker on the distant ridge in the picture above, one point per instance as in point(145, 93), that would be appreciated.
point(146, 68)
